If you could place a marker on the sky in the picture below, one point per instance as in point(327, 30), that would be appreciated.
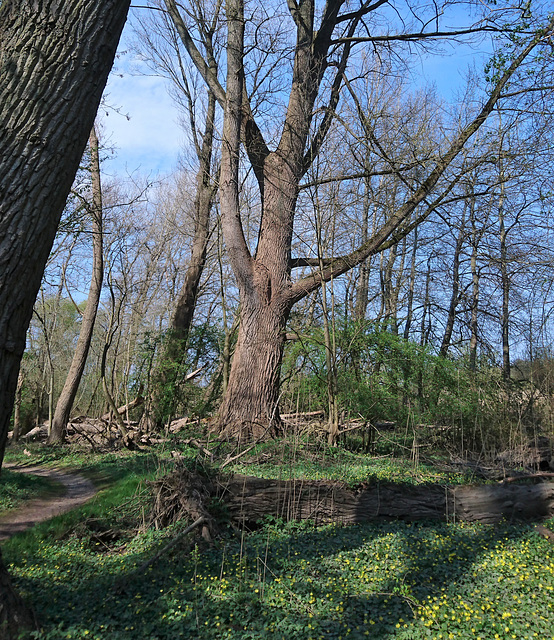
point(141, 122)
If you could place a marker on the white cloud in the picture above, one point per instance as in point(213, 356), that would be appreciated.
point(140, 121)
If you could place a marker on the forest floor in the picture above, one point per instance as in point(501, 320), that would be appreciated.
point(104, 570)
point(72, 491)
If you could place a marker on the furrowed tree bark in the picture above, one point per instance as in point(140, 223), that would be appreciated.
point(55, 57)
point(73, 379)
point(54, 62)
point(267, 292)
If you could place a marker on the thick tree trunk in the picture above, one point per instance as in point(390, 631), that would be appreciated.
point(55, 57)
point(250, 407)
point(54, 62)
point(73, 379)
point(250, 404)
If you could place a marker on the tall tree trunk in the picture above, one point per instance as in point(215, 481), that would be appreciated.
point(263, 279)
point(505, 278)
point(54, 62)
point(250, 407)
point(17, 407)
point(411, 288)
point(55, 57)
point(362, 288)
point(169, 373)
point(73, 379)
point(474, 304)
point(455, 295)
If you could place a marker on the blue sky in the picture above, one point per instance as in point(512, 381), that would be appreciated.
point(150, 139)
point(140, 120)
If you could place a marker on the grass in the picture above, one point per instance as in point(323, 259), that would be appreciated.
point(18, 488)
point(382, 581)
point(350, 468)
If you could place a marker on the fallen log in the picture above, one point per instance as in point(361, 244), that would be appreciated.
point(249, 499)
point(137, 402)
point(306, 415)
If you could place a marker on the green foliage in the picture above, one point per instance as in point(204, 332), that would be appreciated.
point(383, 581)
point(165, 360)
point(381, 377)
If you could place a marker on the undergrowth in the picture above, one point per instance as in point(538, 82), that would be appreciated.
point(18, 488)
point(284, 580)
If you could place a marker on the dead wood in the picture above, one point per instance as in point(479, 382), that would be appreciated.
point(192, 442)
point(137, 402)
point(305, 416)
point(250, 499)
point(193, 374)
point(182, 495)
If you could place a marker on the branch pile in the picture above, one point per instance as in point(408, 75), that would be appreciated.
point(182, 495)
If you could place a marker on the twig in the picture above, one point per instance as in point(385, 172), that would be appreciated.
point(239, 455)
point(194, 443)
point(167, 547)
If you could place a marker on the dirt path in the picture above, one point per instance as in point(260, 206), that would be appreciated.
point(77, 491)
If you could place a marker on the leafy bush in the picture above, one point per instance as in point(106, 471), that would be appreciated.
point(383, 377)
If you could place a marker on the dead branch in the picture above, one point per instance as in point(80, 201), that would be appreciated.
point(193, 374)
point(192, 442)
point(309, 415)
point(137, 402)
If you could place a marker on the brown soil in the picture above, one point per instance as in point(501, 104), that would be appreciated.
point(76, 491)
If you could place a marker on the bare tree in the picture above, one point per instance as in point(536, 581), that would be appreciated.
point(69, 391)
point(320, 57)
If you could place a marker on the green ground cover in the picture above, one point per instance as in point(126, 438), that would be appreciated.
point(383, 581)
point(18, 488)
point(352, 469)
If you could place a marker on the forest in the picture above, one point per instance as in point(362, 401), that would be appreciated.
point(307, 376)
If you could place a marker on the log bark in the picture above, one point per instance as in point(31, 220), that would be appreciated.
point(249, 499)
